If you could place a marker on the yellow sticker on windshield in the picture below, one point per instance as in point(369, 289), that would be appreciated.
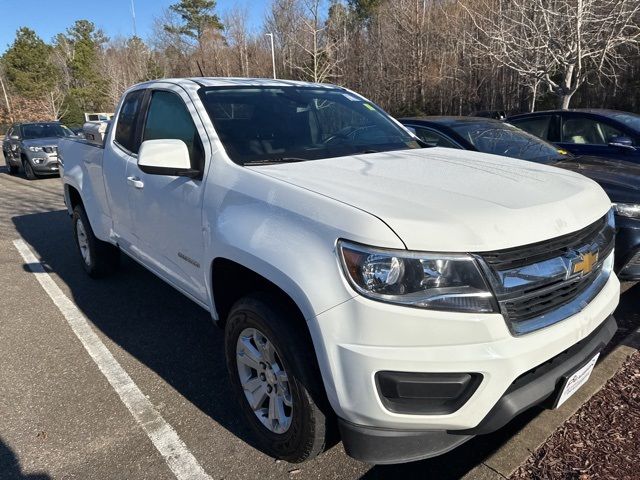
point(368, 106)
point(562, 152)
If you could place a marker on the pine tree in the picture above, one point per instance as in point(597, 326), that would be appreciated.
point(88, 87)
point(28, 67)
point(198, 17)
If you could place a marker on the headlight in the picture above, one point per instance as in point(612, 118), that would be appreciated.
point(627, 209)
point(434, 281)
point(35, 149)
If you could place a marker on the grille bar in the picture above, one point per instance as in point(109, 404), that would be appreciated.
point(528, 304)
point(538, 252)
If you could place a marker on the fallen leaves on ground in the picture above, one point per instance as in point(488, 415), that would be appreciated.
point(601, 440)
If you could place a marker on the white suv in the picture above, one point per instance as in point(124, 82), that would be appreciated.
point(413, 296)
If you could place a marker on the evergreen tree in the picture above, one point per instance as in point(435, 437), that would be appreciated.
point(28, 67)
point(88, 88)
point(198, 17)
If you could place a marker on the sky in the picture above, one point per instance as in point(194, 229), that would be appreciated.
point(49, 17)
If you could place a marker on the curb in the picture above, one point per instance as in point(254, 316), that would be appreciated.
point(503, 462)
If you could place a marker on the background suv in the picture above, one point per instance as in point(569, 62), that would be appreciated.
point(34, 146)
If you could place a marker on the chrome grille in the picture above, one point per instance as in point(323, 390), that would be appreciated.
point(543, 283)
point(50, 149)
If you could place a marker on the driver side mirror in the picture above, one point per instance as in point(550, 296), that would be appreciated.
point(14, 137)
point(621, 142)
point(166, 157)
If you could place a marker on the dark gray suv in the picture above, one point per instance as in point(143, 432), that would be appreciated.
point(34, 147)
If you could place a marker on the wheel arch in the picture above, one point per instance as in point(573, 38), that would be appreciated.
point(72, 198)
point(231, 280)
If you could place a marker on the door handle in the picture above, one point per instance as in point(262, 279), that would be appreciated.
point(135, 182)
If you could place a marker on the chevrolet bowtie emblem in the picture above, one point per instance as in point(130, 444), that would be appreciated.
point(584, 264)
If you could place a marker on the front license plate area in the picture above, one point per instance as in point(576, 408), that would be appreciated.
point(573, 382)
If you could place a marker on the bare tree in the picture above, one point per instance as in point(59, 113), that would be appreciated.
point(53, 104)
point(307, 50)
point(238, 37)
point(556, 43)
point(6, 97)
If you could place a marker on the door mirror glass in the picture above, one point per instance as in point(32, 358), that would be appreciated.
point(166, 157)
point(621, 142)
point(14, 137)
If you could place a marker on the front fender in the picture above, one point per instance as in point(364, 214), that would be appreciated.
point(288, 235)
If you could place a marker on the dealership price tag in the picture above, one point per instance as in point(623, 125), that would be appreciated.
point(575, 381)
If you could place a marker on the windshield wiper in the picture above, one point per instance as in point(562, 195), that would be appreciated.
point(270, 161)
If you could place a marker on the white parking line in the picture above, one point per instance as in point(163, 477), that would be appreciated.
point(179, 459)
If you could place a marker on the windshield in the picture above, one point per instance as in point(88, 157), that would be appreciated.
point(629, 119)
point(31, 131)
point(273, 124)
point(504, 139)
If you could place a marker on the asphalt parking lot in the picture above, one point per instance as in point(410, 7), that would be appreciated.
point(61, 418)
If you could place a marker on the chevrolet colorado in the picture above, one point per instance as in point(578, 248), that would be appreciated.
point(414, 297)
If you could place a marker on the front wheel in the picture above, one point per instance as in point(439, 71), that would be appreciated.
point(28, 170)
point(273, 372)
point(98, 258)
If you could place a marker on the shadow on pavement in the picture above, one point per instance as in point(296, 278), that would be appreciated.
point(145, 317)
point(177, 339)
point(10, 468)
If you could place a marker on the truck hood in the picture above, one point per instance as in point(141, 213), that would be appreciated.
point(441, 199)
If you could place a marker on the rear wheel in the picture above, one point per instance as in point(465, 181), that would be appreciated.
point(98, 258)
point(273, 372)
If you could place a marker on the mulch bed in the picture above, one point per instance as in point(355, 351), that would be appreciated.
point(601, 440)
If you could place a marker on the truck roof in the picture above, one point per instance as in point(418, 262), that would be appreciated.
point(240, 82)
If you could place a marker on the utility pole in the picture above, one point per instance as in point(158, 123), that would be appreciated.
point(133, 18)
point(273, 54)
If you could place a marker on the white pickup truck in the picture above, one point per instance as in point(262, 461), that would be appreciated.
point(414, 297)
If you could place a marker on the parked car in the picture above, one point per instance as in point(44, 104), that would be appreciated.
point(34, 147)
point(621, 180)
point(407, 294)
point(605, 133)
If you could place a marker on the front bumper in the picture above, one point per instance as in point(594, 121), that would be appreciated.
point(47, 164)
point(538, 386)
point(628, 248)
point(362, 337)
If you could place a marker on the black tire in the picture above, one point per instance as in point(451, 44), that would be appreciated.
point(102, 258)
point(10, 168)
point(312, 421)
point(28, 170)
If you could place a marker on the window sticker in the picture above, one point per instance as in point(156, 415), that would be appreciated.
point(351, 97)
point(369, 106)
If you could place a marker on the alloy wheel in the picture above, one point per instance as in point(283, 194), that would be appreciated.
point(264, 380)
point(83, 242)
